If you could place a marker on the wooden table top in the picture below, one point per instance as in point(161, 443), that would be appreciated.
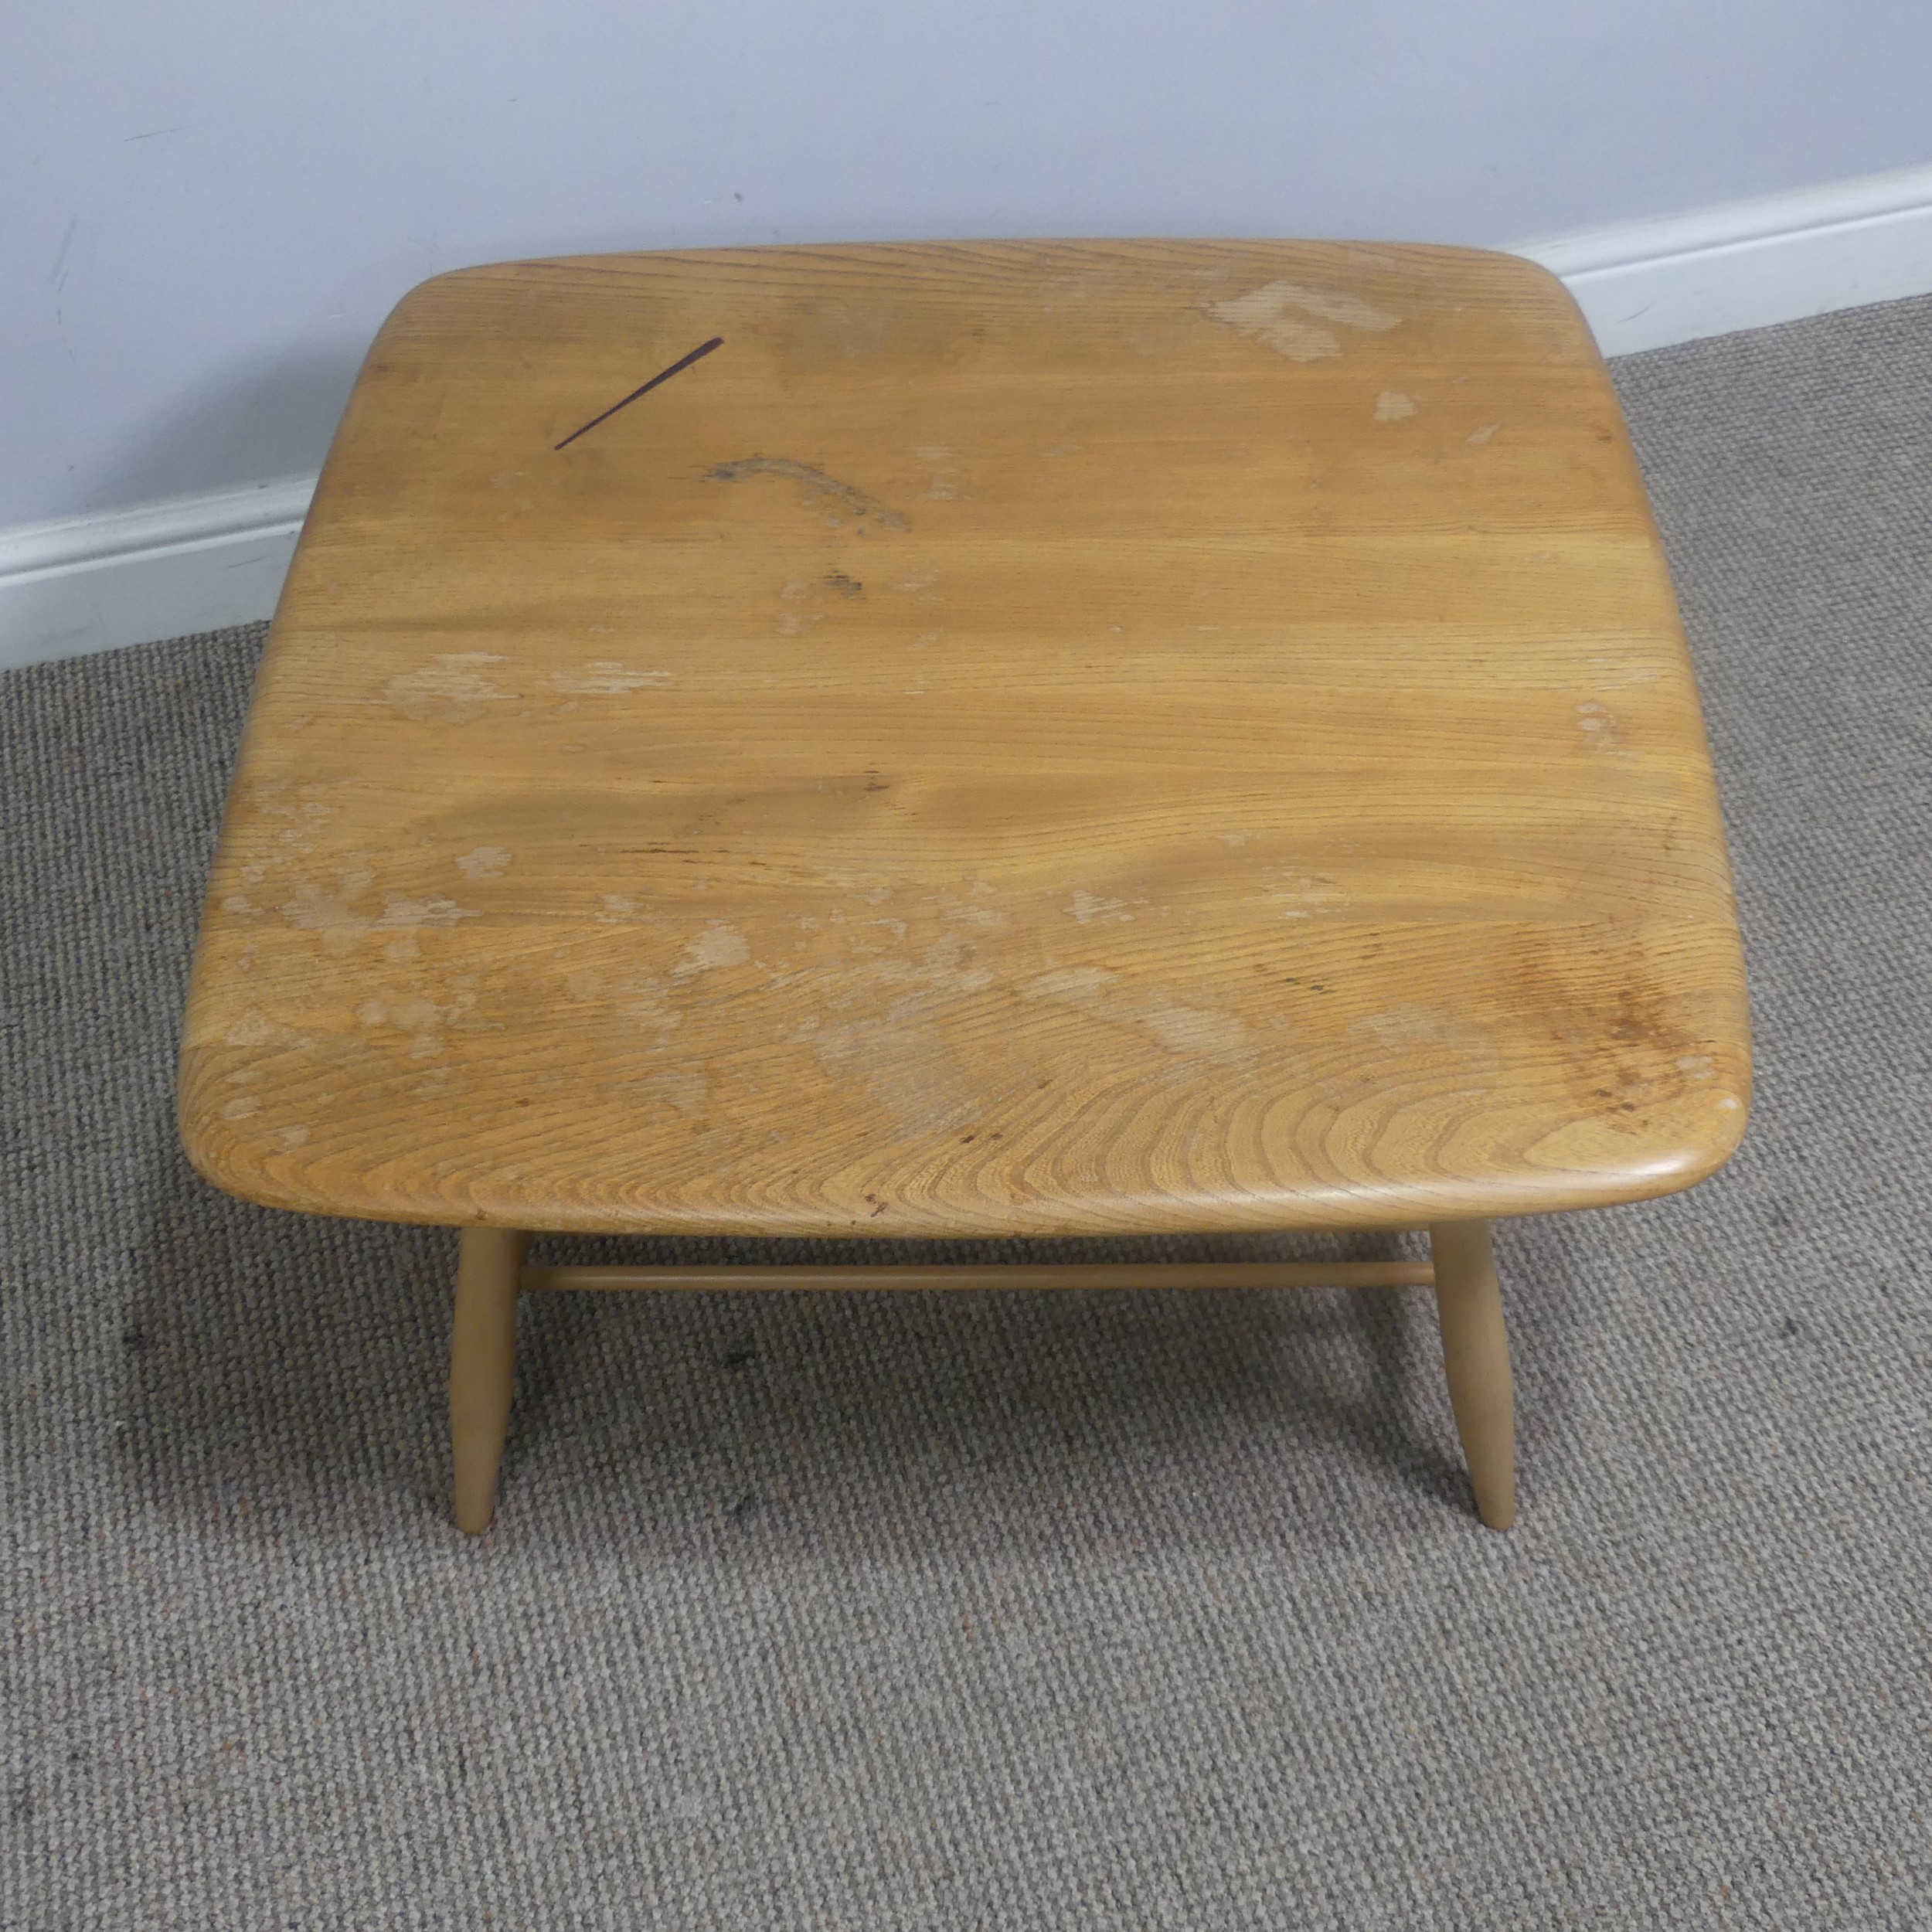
point(1011, 739)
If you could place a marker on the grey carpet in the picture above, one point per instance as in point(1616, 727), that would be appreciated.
point(1002, 1611)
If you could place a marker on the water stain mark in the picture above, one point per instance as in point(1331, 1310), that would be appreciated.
point(1599, 727)
point(823, 489)
point(452, 690)
point(1277, 316)
point(605, 678)
point(1087, 906)
point(486, 861)
point(340, 925)
point(715, 947)
point(1189, 1032)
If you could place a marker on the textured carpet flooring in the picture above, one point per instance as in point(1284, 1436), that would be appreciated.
point(1002, 1611)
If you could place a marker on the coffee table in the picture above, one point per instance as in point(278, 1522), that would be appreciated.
point(973, 740)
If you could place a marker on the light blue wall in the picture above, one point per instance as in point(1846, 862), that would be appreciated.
point(207, 206)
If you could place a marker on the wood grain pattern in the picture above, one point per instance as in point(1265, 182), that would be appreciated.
point(1029, 738)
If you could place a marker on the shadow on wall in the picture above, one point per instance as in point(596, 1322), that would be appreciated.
point(273, 421)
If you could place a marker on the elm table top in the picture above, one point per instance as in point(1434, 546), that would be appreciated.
point(1033, 738)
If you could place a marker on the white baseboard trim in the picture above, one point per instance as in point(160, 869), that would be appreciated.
point(90, 583)
point(1648, 284)
point(200, 562)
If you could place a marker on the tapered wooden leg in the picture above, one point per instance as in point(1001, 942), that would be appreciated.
point(1475, 1352)
point(482, 1359)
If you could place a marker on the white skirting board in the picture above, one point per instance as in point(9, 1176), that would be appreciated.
point(160, 570)
point(1746, 264)
point(200, 562)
